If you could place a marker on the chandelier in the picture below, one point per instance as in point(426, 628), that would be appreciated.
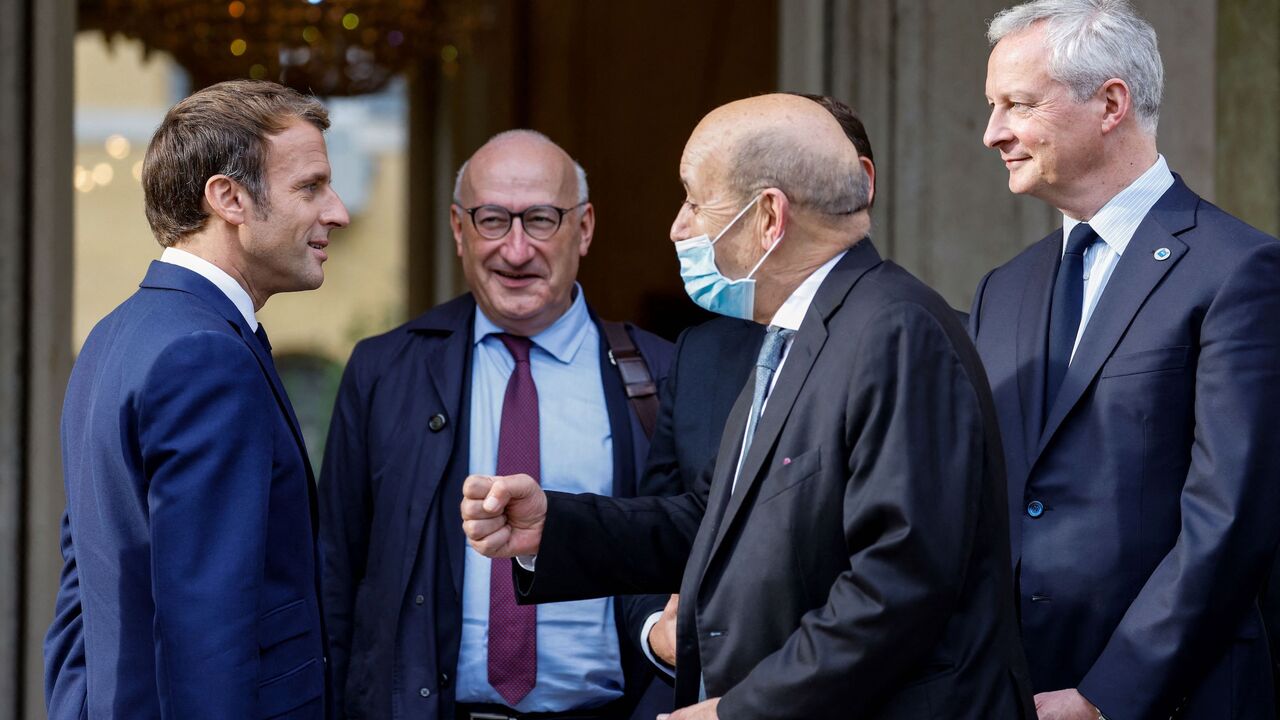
point(324, 47)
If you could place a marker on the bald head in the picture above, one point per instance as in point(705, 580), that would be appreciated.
point(523, 157)
point(782, 141)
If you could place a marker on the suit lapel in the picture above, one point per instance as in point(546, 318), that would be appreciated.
point(277, 387)
point(1033, 338)
point(721, 486)
point(795, 370)
point(172, 277)
point(447, 368)
point(1136, 275)
point(804, 350)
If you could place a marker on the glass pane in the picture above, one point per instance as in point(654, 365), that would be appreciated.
point(120, 99)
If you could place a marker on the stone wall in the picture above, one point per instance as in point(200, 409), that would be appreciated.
point(915, 70)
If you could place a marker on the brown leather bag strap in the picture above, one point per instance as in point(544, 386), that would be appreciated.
point(642, 391)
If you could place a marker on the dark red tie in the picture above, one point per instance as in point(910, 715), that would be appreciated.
point(513, 629)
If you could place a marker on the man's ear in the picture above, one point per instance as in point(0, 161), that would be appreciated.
point(456, 218)
point(1117, 103)
point(227, 199)
point(586, 228)
point(775, 212)
point(870, 169)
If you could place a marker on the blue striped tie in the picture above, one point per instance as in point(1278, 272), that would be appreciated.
point(775, 341)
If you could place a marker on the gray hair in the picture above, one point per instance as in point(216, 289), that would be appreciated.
point(825, 182)
point(1090, 42)
point(581, 175)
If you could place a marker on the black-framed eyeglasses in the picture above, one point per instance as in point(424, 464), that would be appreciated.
point(540, 222)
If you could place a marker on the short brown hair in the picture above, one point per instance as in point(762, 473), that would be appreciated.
point(220, 130)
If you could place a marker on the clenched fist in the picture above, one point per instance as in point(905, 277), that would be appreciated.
point(503, 516)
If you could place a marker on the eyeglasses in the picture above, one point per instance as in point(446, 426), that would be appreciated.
point(540, 222)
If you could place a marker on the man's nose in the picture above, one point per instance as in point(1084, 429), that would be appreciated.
point(336, 214)
point(997, 132)
point(680, 226)
point(517, 248)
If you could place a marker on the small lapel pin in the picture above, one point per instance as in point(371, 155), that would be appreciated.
point(786, 461)
point(1162, 254)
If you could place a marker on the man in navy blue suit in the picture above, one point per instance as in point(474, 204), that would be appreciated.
point(190, 584)
point(1134, 355)
point(517, 370)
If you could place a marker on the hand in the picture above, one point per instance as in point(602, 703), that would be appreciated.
point(503, 516)
point(705, 710)
point(1064, 705)
point(662, 636)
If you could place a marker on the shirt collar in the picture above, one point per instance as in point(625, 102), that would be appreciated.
point(793, 310)
point(561, 340)
point(1119, 219)
point(216, 275)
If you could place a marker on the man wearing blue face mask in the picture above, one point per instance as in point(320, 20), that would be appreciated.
point(851, 557)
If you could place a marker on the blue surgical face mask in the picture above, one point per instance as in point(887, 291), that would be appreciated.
point(705, 284)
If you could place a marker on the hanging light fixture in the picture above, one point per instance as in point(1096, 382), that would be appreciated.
point(324, 47)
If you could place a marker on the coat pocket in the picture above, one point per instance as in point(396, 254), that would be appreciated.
point(291, 689)
point(1146, 361)
point(287, 621)
point(788, 473)
point(289, 670)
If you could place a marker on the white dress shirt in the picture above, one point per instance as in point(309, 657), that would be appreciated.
point(1115, 223)
point(216, 275)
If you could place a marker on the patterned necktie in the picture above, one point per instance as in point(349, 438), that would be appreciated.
point(775, 341)
point(513, 636)
point(1064, 313)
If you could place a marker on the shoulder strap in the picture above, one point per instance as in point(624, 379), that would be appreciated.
point(636, 378)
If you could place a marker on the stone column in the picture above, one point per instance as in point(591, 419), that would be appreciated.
point(13, 307)
point(915, 70)
point(36, 145)
point(1248, 111)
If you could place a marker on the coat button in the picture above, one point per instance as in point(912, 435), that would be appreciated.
point(419, 599)
point(1035, 508)
point(424, 692)
point(444, 680)
point(437, 422)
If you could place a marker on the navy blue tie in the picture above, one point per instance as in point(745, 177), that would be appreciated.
point(261, 332)
point(1064, 314)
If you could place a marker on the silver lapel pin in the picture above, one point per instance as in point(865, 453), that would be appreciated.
point(1162, 254)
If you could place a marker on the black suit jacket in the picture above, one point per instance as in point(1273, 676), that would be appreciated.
point(711, 364)
point(859, 568)
point(1156, 471)
point(391, 538)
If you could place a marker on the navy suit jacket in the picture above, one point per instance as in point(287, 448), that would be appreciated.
point(189, 586)
point(391, 486)
point(713, 361)
point(1156, 471)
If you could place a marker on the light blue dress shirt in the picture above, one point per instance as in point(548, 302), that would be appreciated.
point(1115, 223)
point(579, 661)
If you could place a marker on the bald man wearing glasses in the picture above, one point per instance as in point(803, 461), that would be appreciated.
point(515, 373)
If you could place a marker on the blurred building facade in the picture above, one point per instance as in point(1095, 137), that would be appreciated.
point(619, 85)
